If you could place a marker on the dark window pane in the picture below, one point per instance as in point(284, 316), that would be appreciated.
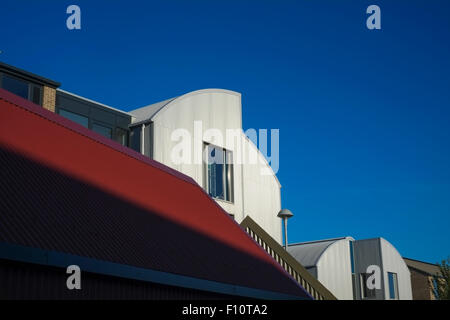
point(229, 177)
point(104, 131)
point(84, 121)
point(36, 94)
point(352, 261)
point(135, 139)
point(122, 136)
point(15, 86)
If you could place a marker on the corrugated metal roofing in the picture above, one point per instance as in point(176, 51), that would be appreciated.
point(67, 189)
point(430, 268)
point(146, 113)
point(308, 253)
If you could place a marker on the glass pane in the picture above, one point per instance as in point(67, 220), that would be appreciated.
point(121, 136)
point(219, 174)
point(36, 94)
point(15, 86)
point(229, 182)
point(84, 121)
point(392, 278)
point(215, 172)
point(104, 131)
point(352, 261)
point(135, 139)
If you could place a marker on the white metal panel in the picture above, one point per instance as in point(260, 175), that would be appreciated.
point(393, 262)
point(262, 194)
point(220, 109)
point(334, 269)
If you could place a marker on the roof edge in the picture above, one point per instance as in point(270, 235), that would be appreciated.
point(93, 101)
point(323, 240)
point(431, 264)
point(70, 125)
point(39, 256)
point(183, 96)
point(28, 75)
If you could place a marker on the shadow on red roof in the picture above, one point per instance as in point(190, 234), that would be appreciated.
point(67, 189)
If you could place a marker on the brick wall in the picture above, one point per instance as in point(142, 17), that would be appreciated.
point(421, 285)
point(49, 99)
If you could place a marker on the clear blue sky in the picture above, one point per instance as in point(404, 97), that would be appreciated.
point(363, 115)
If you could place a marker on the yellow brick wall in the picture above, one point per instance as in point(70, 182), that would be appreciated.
point(49, 98)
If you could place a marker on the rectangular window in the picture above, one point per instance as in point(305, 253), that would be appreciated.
point(15, 85)
point(393, 285)
point(352, 261)
point(22, 88)
point(366, 293)
point(36, 94)
point(122, 136)
point(84, 121)
point(135, 138)
point(104, 131)
point(219, 182)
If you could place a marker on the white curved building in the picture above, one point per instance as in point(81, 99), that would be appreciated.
point(177, 132)
point(341, 265)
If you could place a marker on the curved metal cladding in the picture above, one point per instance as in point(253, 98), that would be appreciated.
point(66, 189)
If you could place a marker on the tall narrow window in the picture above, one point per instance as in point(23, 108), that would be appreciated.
point(352, 264)
point(36, 94)
point(219, 182)
point(135, 138)
point(393, 285)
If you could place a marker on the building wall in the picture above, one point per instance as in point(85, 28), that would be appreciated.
point(254, 195)
point(368, 252)
point(421, 284)
point(393, 262)
point(37, 282)
point(49, 98)
point(95, 113)
point(334, 270)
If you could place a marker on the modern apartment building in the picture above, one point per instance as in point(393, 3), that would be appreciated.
point(243, 184)
point(135, 228)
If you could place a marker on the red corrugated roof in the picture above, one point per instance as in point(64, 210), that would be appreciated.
point(66, 188)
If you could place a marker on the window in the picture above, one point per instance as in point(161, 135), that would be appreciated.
point(352, 264)
point(219, 173)
point(366, 292)
point(104, 131)
point(84, 121)
point(393, 285)
point(122, 136)
point(352, 260)
point(22, 88)
point(135, 138)
point(36, 94)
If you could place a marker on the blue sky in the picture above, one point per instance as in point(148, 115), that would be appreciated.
point(363, 115)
